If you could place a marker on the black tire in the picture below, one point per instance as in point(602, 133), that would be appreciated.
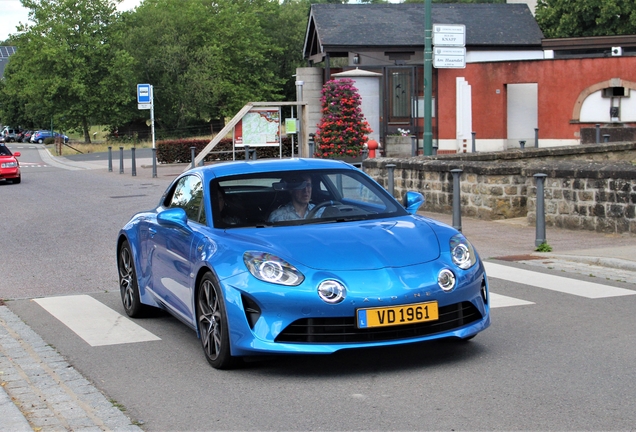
point(16, 180)
point(128, 282)
point(212, 325)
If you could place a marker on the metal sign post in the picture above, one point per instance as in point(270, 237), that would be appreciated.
point(428, 80)
point(145, 100)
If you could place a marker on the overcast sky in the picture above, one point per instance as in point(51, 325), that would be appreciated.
point(12, 13)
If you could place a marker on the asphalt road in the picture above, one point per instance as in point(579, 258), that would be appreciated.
point(558, 362)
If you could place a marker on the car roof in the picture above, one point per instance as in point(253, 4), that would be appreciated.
point(225, 169)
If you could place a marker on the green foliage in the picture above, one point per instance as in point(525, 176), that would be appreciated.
point(544, 247)
point(80, 61)
point(178, 151)
point(569, 18)
point(342, 129)
point(204, 59)
point(67, 67)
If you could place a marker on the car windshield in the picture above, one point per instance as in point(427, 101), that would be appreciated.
point(299, 197)
point(4, 151)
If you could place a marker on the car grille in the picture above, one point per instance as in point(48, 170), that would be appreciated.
point(344, 330)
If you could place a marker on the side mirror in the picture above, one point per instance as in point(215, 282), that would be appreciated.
point(17, 154)
point(174, 218)
point(413, 201)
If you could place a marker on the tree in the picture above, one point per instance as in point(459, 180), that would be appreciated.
point(292, 16)
point(68, 68)
point(577, 18)
point(342, 129)
point(204, 59)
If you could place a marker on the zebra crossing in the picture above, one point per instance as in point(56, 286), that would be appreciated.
point(33, 165)
point(99, 325)
point(561, 284)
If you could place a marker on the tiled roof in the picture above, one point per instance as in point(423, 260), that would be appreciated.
point(488, 25)
point(6, 51)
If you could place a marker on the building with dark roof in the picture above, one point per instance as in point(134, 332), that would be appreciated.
point(5, 53)
point(379, 33)
point(513, 86)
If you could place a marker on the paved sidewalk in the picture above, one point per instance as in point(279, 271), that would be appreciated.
point(603, 256)
point(40, 391)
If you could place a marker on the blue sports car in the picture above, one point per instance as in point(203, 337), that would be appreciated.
point(298, 256)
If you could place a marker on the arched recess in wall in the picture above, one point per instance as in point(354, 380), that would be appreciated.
point(595, 102)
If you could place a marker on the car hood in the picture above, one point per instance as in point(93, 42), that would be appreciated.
point(365, 245)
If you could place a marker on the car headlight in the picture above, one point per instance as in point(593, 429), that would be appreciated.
point(332, 291)
point(462, 252)
point(270, 268)
point(446, 280)
point(9, 165)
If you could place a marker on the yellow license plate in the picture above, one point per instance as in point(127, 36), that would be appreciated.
point(397, 315)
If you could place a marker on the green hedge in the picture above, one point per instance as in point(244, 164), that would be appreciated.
point(178, 151)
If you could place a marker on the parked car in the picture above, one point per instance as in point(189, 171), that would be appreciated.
point(360, 270)
point(41, 135)
point(9, 165)
point(9, 134)
point(25, 136)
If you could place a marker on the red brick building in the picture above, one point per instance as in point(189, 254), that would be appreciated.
point(515, 84)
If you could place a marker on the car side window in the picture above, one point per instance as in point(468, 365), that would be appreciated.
point(188, 195)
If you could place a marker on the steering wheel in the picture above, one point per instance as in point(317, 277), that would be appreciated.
point(322, 205)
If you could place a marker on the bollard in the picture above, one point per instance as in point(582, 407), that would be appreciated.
point(606, 138)
point(536, 137)
point(365, 155)
point(121, 160)
point(192, 150)
point(413, 145)
point(134, 163)
point(522, 144)
point(435, 146)
point(247, 153)
point(457, 203)
point(154, 163)
point(311, 143)
point(598, 133)
point(474, 143)
point(202, 163)
point(253, 154)
point(391, 168)
point(110, 159)
point(540, 236)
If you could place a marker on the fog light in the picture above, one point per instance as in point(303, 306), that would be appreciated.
point(446, 280)
point(332, 291)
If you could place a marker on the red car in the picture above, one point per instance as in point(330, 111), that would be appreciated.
point(9, 165)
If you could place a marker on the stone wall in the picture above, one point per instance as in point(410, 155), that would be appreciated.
point(585, 188)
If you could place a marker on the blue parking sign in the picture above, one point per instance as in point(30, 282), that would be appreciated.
point(143, 93)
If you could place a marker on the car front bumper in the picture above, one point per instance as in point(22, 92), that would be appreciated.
point(296, 320)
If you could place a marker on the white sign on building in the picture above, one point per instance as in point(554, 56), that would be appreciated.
point(449, 42)
point(449, 35)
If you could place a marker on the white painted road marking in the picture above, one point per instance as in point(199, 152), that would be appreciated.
point(93, 321)
point(555, 283)
point(498, 300)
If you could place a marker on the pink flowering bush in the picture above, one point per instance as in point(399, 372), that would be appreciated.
point(342, 131)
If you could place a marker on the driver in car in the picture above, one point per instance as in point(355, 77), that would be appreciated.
point(299, 206)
